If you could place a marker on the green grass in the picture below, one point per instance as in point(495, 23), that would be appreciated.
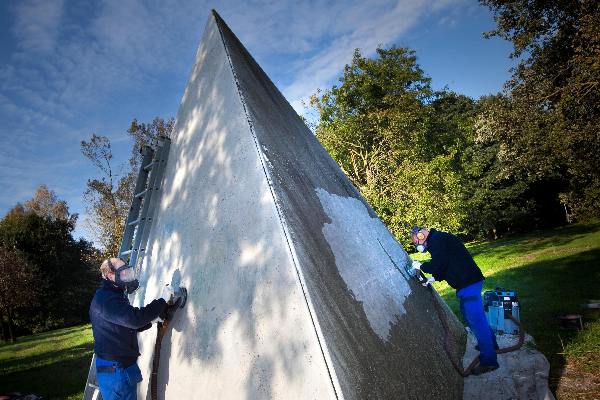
point(554, 272)
point(52, 364)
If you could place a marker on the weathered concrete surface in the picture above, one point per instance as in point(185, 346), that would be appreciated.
point(523, 374)
point(291, 295)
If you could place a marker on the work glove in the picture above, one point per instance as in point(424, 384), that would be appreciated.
point(429, 281)
point(169, 295)
point(169, 311)
point(416, 268)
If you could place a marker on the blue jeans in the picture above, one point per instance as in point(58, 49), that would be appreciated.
point(120, 384)
point(471, 306)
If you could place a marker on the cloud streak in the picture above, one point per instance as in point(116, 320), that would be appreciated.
point(37, 24)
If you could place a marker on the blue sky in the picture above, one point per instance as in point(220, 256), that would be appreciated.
point(72, 68)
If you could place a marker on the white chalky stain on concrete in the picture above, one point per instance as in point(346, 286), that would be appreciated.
point(363, 264)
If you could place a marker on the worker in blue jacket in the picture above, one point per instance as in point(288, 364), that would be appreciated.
point(450, 261)
point(115, 324)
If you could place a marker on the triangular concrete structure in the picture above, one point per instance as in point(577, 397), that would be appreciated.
point(291, 294)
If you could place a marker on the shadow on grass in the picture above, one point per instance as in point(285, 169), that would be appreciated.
point(57, 380)
point(546, 289)
point(538, 240)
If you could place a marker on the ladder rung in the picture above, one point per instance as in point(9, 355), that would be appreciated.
point(126, 253)
point(137, 221)
point(148, 167)
point(141, 194)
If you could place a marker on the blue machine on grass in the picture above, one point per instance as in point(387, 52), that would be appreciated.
point(499, 304)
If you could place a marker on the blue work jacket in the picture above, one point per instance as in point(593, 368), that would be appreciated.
point(450, 261)
point(115, 323)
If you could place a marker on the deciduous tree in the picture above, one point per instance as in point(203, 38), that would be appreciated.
point(66, 268)
point(19, 289)
point(400, 142)
point(557, 83)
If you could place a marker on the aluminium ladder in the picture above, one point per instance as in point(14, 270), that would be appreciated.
point(137, 224)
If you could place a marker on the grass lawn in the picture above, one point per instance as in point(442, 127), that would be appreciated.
point(553, 272)
point(52, 364)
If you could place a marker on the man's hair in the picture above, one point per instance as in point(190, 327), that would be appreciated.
point(105, 267)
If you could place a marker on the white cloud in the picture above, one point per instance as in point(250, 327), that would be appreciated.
point(371, 27)
point(36, 24)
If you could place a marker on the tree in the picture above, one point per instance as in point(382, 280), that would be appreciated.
point(109, 196)
point(399, 142)
point(557, 82)
point(145, 134)
point(45, 203)
point(19, 289)
point(66, 268)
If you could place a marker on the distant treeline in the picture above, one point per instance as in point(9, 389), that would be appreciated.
point(519, 160)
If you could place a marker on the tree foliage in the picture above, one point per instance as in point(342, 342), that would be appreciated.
point(398, 140)
point(555, 95)
point(46, 204)
point(57, 273)
point(109, 195)
point(20, 287)
point(516, 161)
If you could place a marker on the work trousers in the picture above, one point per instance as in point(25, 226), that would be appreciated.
point(471, 306)
point(120, 383)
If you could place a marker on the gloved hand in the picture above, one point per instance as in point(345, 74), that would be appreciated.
point(168, 293)
point(429, 281)
point(416, 268)
point(169, 311)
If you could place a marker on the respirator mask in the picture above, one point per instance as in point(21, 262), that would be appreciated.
point(421, 239)
point(125, 277)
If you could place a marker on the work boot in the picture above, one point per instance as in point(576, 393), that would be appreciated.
point(483, 369)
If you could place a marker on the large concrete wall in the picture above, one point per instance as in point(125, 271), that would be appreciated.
point(291, 294)
point(245, 332)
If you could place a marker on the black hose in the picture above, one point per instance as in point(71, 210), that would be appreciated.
point(161, 329)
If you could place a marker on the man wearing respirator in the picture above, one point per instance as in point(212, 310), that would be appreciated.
point(450, 261)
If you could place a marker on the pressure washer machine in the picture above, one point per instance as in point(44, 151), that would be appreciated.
point(499, 304)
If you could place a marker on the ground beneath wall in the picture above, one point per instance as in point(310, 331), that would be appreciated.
point(523, 374)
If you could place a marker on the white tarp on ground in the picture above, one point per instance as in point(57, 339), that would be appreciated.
point(523, 374)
